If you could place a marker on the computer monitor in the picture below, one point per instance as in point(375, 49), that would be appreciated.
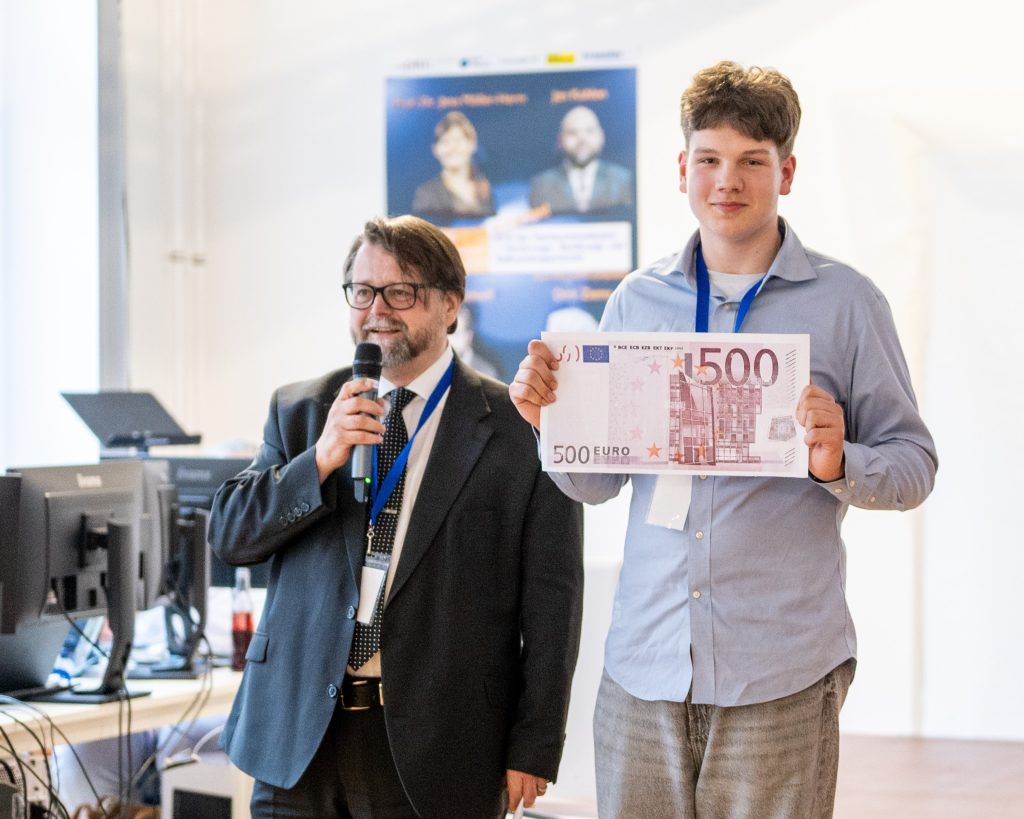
point(26, 658)
point(127, 424)
point(197, 480)
point(184, 584)
point(157, 494)
point(76, 553)
point(10, 497)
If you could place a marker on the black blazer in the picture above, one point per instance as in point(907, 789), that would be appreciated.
point(481, 628)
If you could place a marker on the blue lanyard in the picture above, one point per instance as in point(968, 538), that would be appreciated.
point(381, 497)
point(704, 296)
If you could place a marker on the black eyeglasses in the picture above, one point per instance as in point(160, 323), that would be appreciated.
point(397, 296)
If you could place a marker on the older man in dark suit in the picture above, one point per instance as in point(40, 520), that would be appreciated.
point(415, 654)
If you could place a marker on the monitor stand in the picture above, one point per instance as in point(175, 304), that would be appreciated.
point(175, 668)
point(185, 661)
point(120, 616)
point(94, 697)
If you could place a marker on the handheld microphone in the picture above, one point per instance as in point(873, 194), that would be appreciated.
point(365, 364)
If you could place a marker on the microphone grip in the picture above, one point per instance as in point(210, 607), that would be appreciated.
point(362, 460)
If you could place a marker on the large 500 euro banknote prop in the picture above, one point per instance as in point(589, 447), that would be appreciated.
point(706, 403)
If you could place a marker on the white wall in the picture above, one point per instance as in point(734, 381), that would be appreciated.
point(256, 151)
point(974, 628)
point(291, 162)
point(49, 321)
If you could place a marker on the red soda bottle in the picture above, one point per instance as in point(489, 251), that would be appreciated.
point(241, 617)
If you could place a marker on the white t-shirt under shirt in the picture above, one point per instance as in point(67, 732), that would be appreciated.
point(732, 283)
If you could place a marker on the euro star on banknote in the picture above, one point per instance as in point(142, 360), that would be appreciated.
point(675, 403)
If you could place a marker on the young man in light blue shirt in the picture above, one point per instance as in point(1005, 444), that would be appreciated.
point(731, 646)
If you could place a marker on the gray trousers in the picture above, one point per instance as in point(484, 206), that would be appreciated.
point(677, 760)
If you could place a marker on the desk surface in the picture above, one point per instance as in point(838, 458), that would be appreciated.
point(168, 703)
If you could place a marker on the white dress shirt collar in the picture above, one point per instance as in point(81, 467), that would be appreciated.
point(424, 383)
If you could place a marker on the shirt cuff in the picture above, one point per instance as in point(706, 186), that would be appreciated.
point(852, 487)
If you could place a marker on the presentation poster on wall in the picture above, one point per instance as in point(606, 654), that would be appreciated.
point(533, 176)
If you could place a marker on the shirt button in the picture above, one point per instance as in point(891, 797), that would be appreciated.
point(699, 536)
point(305, 506)
point(871, 499)
point(351, 612)
point(696, 595)
point(332, 691)
point(703, 477)
point(853, 483)
point(839, 490)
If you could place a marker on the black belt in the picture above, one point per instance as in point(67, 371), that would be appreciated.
point(361, 693)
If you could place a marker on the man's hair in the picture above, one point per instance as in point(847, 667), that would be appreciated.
point(758, 102)
point(421, 250)
point(454, 119)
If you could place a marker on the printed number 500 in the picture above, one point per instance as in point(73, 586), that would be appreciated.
point(569, 454)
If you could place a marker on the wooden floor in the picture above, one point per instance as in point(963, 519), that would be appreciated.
point(907, 778)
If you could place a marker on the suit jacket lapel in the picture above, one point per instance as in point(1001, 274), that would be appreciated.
point(353, 517)
point(461, 436)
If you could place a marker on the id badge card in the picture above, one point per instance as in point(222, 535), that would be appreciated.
point(371, 585)
point(671, 501)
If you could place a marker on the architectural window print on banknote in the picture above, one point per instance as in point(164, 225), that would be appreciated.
point(703, 403)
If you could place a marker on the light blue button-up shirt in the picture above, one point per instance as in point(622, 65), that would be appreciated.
point(747, 603)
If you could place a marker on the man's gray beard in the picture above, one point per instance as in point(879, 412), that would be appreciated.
point(398, 352)
point(402, 349)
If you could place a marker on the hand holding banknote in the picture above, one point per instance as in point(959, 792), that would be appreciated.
point(534, 384)
point(819, 414)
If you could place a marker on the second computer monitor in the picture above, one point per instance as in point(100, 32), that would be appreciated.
point(197, 480)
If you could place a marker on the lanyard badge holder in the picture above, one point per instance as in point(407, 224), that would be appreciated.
point(376, 564)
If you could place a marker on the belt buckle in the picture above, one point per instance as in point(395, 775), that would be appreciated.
point(356, 681)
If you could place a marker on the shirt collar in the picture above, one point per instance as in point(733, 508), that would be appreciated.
point(790, 262)
point(423, 384)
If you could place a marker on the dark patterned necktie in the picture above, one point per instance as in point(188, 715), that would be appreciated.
point(366, 640)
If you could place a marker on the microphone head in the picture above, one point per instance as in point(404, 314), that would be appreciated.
point(367, 361)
